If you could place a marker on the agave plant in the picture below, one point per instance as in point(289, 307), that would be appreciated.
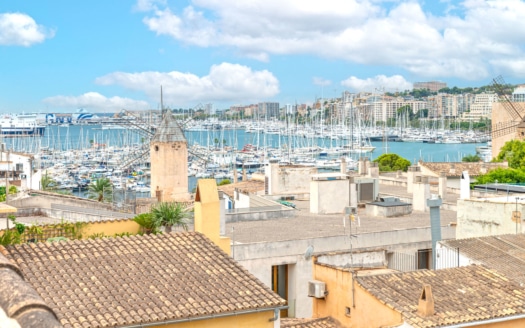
point(170, 214)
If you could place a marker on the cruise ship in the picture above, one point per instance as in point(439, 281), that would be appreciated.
point(20, 125)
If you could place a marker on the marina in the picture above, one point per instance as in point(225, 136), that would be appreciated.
point(73, 155)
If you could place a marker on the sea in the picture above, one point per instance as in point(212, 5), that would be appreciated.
point(63, 138)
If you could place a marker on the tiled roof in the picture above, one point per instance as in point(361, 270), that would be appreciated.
point(464, 294)
point(250, 186)
point(139, 279)
point(169, 130)
point(474, 169)
point(504, 253)
point(327, 322)
point(19, 301)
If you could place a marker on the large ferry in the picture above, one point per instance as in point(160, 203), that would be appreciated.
point(20, 125)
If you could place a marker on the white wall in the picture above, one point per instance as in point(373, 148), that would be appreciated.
point(487, 217)
point(322, 200)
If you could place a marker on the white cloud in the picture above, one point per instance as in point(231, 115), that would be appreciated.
point(321, 82)
point(225, 83)
point(147, 5)
point(95, 102)
point(21, 30)
point(379, 82)
point(460, 43)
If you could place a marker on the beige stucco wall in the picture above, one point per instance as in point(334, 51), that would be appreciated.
point(169, 170)
point(479, 217)
point(288, 179)
point(322, 200)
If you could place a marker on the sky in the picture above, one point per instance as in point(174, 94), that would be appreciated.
point(104, 56)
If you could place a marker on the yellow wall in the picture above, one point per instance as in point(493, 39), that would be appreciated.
point(207, 213)
point(110, 228)
point(367, 312)
point(254, 320)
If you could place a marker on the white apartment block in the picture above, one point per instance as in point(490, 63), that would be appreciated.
point(481, 107)
point(268, 110)
point(383, 108)
point(519, 94)
point(447, 105)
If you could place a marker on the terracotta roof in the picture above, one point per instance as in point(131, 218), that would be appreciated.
point(465, 294)
point(19, 301)
point(504, 253)
point(474, 169)
point(250, 186)
point(169, 130)
point(327, 322)
point(139, 279)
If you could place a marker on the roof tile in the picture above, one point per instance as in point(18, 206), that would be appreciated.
point(463, 294)
point(119, 281)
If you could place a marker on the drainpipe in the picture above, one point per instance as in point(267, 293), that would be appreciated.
point(435, 224)
point(212, 316)
point(487, 322)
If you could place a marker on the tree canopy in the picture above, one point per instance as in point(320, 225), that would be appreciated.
point(100, 189)
point(392, 162)
point(471, 158)
point(514, 153)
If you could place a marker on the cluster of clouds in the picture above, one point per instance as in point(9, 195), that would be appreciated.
point(17, 29)
point(472, 39)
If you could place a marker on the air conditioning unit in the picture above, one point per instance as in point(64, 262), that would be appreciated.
point(316, 289)
point(23, 176)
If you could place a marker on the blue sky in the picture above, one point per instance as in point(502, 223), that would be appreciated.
point(61, 55)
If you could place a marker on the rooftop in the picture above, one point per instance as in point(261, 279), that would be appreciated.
point(305, 225)
point(504, 253)
point(327, 322)
point(139, 279)
point(463, 294)
point(169, 130)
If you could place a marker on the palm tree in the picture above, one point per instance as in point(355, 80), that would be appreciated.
point(170, 214)
point(100, 189)
point(47, 183)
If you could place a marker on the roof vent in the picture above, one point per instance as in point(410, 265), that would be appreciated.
point(425, 307)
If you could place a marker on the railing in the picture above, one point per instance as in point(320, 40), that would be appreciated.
point(422, 259)
point(254, 209)
point(92, 211)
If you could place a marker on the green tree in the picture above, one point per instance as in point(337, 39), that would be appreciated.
point(514, 153)
point(170, 214)
point(147, 223)
point(47, 183)
point(503, 175)
point(471, 158)
point(100, 189)
point(392, 162)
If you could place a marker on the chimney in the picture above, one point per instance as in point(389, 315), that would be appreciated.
point(452, 169)
point(425, 307)
point(434, 202)
point(442, 185)
point(343, 165)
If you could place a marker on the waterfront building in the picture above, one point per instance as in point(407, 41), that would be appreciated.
point(432, 86)
point(268, 110)
point(518, 95)
point(481, 107)
point(450, 106)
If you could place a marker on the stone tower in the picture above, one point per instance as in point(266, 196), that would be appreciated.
point(169, 162)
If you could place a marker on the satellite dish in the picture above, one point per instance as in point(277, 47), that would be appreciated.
point(309, 252)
